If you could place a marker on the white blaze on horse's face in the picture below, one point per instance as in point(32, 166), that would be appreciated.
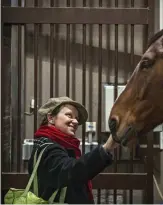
point(140, 106)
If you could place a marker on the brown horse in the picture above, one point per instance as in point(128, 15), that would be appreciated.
point(139, 108)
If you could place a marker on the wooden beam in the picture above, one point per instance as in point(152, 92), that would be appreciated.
point(102, 181)
point(69, 15)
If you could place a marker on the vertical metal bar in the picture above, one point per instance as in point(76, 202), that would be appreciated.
point(84, 77)
point(124, 67)
point(15, 140)
point(36, 31)
point(99, 79)
point(145, 30)
point(131, 171)
point(116, 59)
point(150, 188)
point(22, 89)
point(3, 156)
point(40, 69)
point(107, 193)
point(91, 55)
point(74, 56)
point(115, 93)
point(39, 62)
point(51, 54)
point(2, 101)
point(68, 55)
point(115, 96)
point(132, 67)
point(14, 95)
point(151, 6)
point(56, 56)
point(99, 91)
point(19, 101)
point(108, 45)
point(25, 163)
point(36, 3)
point(126, 40)
point(126, 37)
point(14, 98)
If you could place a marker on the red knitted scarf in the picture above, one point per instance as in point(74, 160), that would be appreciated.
point(64, 140)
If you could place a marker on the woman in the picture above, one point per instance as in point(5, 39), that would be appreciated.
point(62, 164)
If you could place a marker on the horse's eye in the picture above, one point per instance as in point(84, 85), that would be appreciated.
point(145, 64)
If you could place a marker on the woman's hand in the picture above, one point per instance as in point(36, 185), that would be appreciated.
point(110, 144)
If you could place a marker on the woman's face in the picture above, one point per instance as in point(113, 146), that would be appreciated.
point(66, 120)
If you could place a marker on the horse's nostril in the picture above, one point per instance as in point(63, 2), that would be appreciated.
point(112, 125)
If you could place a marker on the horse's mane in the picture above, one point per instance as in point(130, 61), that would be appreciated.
point(155, 37)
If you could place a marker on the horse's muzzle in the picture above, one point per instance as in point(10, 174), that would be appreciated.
point(125, 137)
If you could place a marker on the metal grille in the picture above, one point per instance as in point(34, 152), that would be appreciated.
point(56, 48)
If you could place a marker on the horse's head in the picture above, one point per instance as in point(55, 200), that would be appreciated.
point(139, 108)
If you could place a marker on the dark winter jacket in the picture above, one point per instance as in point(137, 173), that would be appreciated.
point(59, 168)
